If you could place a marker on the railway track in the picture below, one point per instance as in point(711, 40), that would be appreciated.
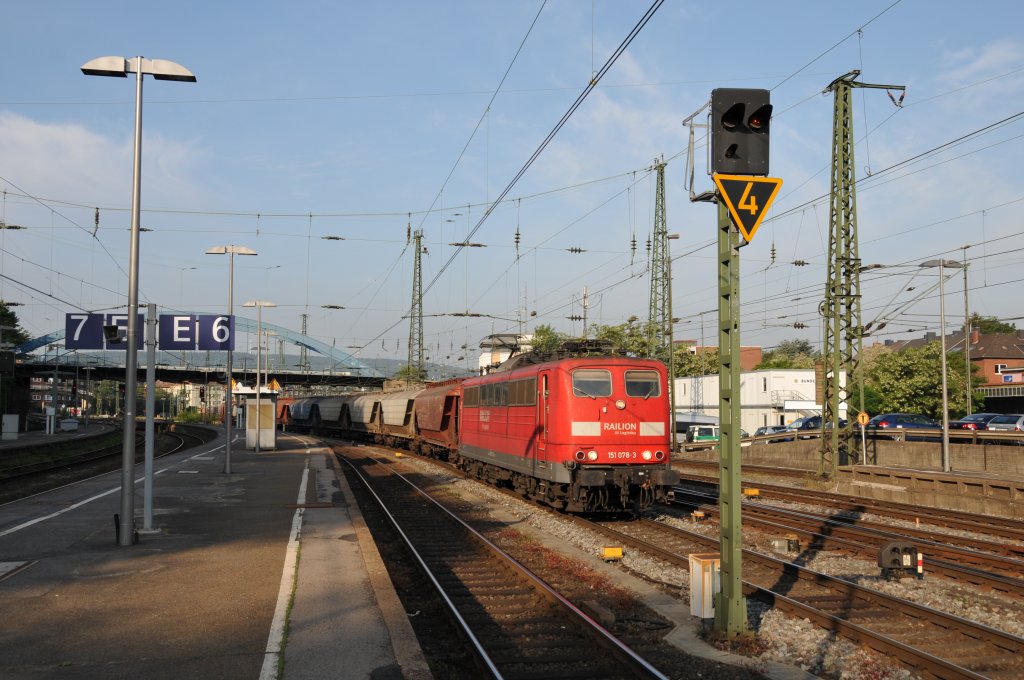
point(933, 643)
point(21, 481)
point(1011, 530)
point(984, 569)
point(516, 625)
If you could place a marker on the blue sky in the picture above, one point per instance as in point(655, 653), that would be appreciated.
point(359, 120)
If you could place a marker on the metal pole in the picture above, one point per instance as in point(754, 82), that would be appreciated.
point(671, 346)
point(967, 342)
point(945, 394)
point(730, 604)
point(53, 391)
point(147, 495)
point(259, 356)
point(127, 521)
point(228, 399)
point(88, 391)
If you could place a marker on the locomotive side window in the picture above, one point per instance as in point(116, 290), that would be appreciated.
point(522, 392)
point(642, 384)
point(494, 394)
point(471, 398)
point(592, 382)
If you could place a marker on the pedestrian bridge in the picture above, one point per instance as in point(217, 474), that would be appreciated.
point(341, 361)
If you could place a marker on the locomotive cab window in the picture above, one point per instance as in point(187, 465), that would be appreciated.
point(592, 382)
point(643, 384)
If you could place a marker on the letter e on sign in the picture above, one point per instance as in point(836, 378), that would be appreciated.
point(177, 332)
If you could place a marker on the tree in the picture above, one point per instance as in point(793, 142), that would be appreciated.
point(10, 319)
point(990, 325)
point(547, 339)
point(911, 381)
point(790, 354)
point(629, 338)
point(410, 373)
point(690, 364)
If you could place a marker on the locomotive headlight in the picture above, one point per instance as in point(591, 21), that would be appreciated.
point(581, 455)
point(591, 455)
point(659, 455)
point(620, 404)
point(646, 455)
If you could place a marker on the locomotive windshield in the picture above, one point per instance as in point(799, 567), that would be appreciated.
point(592, 382)
point(643, 384)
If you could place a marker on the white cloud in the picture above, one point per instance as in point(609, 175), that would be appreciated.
point(972, 64)
point(68, 161)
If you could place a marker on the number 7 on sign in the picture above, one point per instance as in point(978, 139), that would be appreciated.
point(747, 198)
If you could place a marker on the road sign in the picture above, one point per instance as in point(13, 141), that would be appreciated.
point(747, 198)
point(190, 332)
point(175, 332)
point(862, 418)
point(85, 331)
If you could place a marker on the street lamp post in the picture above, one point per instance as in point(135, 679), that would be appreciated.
point(160, 69)
point(230, 251)
point(941, 264)
point(967, 340)
point(181, 284)
point(259, 305)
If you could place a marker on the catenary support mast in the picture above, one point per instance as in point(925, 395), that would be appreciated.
point(841, 307)
point(416, 310)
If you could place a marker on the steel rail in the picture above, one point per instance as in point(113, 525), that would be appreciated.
point(919, 659)
point(634, 662)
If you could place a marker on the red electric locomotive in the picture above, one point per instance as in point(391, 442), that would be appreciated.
point(586, 434)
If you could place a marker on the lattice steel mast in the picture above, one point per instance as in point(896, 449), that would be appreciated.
point(416, 310)
point(842, 304)
point(660, 314)
point(303, 352)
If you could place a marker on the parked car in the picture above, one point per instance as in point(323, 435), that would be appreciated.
point(975, 421)
point(891, 422)
point(703, 433)
point(772, 434)
point(805, 427)
point(1013, 422)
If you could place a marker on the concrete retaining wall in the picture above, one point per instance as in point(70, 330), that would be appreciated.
point(910, 472)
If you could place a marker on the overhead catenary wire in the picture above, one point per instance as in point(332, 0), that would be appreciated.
point(533, 157)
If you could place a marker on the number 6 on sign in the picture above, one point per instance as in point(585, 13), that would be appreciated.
point(747, 198)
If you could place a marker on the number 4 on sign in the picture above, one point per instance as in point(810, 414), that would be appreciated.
point(747, 198)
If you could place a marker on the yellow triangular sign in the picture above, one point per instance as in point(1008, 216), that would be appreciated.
point(747, 198)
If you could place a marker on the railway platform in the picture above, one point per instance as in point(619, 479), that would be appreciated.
point(268, 572)
point(33, 438)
